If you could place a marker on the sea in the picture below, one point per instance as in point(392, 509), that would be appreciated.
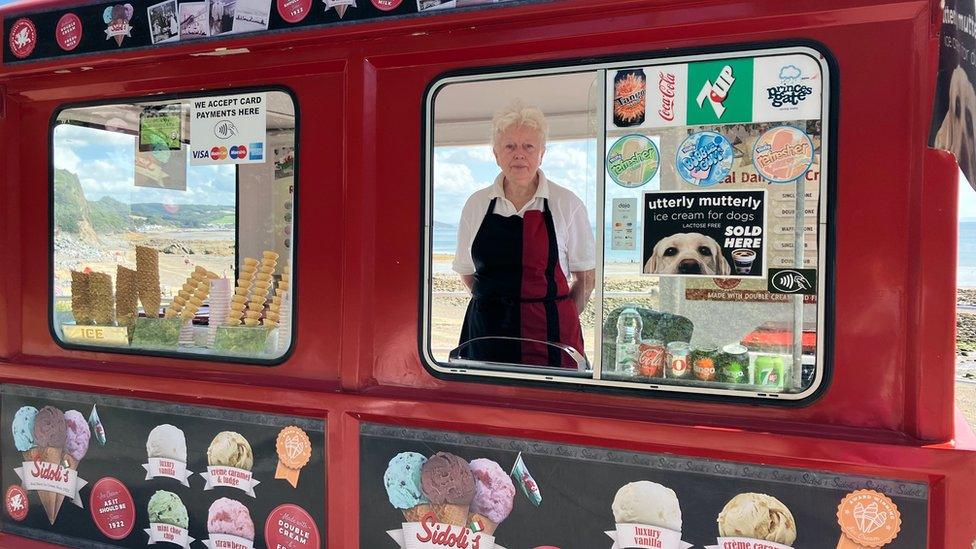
point(445, 239)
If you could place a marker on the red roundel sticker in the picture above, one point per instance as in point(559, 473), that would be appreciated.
point(68, 31)
point(293, 11)
point(386, 5)
point(15, 501)
point(23, 37)
point(291, 527)
point(112, 508)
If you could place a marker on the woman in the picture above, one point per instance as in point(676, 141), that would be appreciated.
point(519, 242)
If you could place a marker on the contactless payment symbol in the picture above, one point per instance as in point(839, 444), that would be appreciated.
point(720, 91)
point(783, 154)
point(23, 38)
point(633, 160)
point(704, 159)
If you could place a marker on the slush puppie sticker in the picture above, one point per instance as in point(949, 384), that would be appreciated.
point(783, 154)
point(633, 160)
point(704, 159)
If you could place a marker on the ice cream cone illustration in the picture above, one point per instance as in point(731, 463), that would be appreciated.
point(634, 173)
point(867, 519)
point(294, 450)
point(23, 431)
point(77, 437)
point(646, 509)
point(402, 481)
point(447, 482)
point(50, 431)
point(494, 495)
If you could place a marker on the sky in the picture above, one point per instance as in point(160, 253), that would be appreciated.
point(967, 200)
point(104, 163)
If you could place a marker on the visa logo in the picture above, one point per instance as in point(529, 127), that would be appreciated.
point(201, 154)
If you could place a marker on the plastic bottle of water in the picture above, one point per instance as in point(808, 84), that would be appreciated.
point(629, 326)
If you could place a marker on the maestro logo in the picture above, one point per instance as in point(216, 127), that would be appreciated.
point(237, 152)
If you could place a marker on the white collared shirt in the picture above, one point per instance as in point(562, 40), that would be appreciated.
point(574, 236)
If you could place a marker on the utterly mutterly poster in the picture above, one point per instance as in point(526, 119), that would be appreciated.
point(711, 233)
point(955, 98)
point(425, 489)
point(230, 129)
point(86, 470)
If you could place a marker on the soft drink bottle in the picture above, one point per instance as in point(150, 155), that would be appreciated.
point(629, 326)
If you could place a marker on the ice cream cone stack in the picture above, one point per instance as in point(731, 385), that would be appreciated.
point(101, 299)
point(220, 292)
point(147, 267)
point(284, 322)
point(263, 279)
point(242, 291)
point(449, 513)
point(50, 454)
point(81, 306)
point(417, 513)
point(485, 524)
point(126, 297)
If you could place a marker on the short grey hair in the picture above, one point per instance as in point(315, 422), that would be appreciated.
point(517, 114)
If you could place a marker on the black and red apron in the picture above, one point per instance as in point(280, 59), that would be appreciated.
point(519, 291)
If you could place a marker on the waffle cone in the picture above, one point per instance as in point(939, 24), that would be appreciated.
point(32, 454)
point(417, 513)
point(73, 465)
point(447, 513)
point(53, 455)
point(488, 527)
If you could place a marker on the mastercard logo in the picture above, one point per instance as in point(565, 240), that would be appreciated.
point(218, 153)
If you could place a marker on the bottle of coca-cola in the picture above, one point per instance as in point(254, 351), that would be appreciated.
point(629, 91)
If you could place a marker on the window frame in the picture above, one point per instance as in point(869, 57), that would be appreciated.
point(600, 66)
point(191, 356)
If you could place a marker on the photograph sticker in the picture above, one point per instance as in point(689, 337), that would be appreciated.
point(705, 233)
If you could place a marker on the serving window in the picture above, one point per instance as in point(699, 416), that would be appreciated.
point(172, 226)
point(657, 224)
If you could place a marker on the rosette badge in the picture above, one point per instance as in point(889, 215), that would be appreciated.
point(294, 450)
point(229, 463)
point(648, 516)
point(166, 448)
point(751, 520)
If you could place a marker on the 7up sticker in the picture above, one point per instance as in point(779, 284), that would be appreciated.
point(722, 92)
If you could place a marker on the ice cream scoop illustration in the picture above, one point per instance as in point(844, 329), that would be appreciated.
point(757, 516)
point(166, 441)
point(447, 482)
point(77, 437)
point(494, 494)
point(403, 487)
point(167, 508)
point(647, 503)
point(231, 518)
point(230, 449)
point(23, 431)
point(50, 431)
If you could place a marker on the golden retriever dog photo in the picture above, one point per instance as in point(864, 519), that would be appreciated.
point(687, 253)
point(956, 133)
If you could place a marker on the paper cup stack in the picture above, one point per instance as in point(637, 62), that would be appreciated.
point(147, 267)
point(220, 292)
point(284, 325)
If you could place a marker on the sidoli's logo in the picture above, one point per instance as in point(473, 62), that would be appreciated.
point(445, 535)
point(667, 83)
point(791, 91)
point(218, 153)
point(717, 93)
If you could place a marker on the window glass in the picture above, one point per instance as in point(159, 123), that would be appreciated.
point(656, 225)
point(173, 225)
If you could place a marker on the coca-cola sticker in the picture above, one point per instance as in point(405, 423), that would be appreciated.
point(112, 508)
point(68, 32)
point(23, 38)
point(291, 527)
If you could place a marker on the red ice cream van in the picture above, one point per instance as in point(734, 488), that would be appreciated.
point(464, 274)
